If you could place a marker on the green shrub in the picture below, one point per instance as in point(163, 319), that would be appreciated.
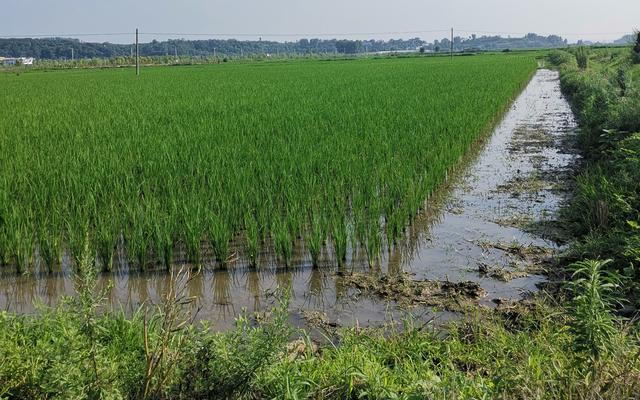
point(636, 49)
point(79, 350)
point(582, 57)
point(626, 114)
point(622, 80)
point(225, 365)
point(593, 98)
point(560, 58)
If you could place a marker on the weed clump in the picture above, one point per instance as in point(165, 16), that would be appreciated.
point(593, 288)
point(582, 57)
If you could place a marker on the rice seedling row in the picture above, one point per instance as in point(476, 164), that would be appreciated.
point(340, 153)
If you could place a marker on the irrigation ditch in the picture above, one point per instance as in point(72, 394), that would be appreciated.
point(487, 237)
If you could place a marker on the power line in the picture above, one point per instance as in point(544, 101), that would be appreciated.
point(62, 35)
point(220, 34)
point(289, 34)
point(555, 33)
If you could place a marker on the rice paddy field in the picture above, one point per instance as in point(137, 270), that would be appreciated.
point(333, 154)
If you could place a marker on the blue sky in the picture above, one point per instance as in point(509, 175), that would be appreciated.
point(293, 19)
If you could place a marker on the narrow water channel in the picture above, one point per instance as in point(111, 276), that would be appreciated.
point(512, 181)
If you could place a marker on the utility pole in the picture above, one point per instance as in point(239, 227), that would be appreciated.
point(451, 44)
point(137, 55)
point(72, 56)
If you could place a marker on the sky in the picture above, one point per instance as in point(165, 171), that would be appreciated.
point(595, 20)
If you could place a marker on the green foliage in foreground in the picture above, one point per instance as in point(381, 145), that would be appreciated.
point(279, 151)
point(526, 351)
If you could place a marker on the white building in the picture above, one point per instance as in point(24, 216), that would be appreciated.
point(11, 61)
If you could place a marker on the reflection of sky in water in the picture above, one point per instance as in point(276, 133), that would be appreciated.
point(440, 244)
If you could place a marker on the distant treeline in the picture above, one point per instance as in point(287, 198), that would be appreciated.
point(61, 48)
point(529, 41)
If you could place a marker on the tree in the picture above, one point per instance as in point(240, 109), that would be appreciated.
point(58, 48)
point(348, 46)
point(636, 49)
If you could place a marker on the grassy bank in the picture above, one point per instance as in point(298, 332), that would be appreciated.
point(604, 213)
point(526, 350)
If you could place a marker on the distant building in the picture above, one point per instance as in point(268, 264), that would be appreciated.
point(394, 51)
point(12, 61)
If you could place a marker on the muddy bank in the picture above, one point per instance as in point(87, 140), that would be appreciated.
point(490, 227)
point(408, 292)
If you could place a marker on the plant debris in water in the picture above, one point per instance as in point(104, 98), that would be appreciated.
point(532, 184)
point(409, 292)
point(529, 254)
point(501, 273)
point(319, 319)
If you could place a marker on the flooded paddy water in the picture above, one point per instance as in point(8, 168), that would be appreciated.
point(486, 235)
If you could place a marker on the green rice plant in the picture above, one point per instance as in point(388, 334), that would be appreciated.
point(316, 238)
point(193, 219)
point(164, 242)
point(340, 238)
point(195, 149)
point(45, 246)
point(24, 250)
point(105, 242)
point(137, 246)
point(283, 242)
point(220, 237)
point(252, 237)
point(374, 244)
point(3, 253)
point(4, 201)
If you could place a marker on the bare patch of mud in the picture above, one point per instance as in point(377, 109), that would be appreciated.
point(406, 291)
